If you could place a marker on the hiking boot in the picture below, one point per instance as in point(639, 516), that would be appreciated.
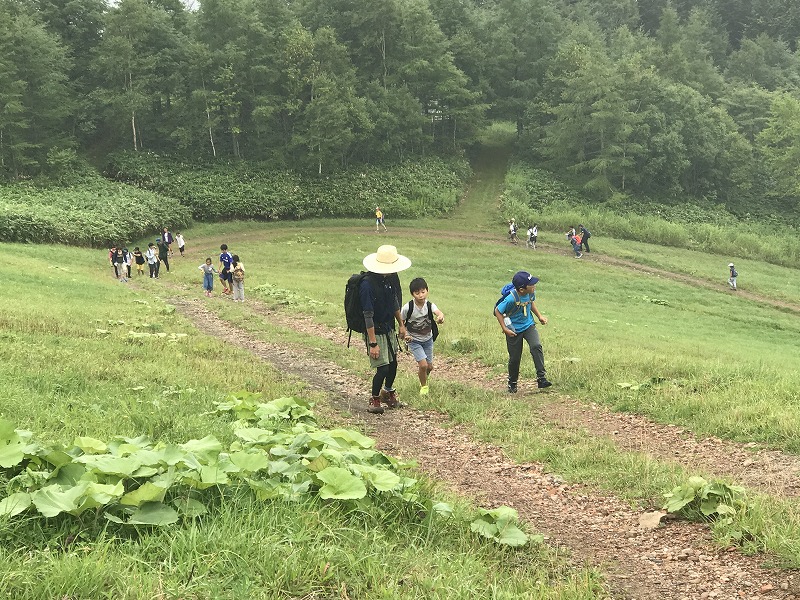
point(512, 387)
point(423, 390)
point(543, 383)
point(375, 406)
point(389, 398)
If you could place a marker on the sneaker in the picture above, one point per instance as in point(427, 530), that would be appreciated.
point(579, 256)
point(512, 387)
point(423, 391)
point(375, 406)
point(389, 398)
point(543, 383)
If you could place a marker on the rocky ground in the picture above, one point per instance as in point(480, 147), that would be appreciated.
point(677, 560)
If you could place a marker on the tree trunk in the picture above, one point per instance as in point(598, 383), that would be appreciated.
point(133, 129)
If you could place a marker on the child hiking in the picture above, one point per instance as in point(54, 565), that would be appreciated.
point(208, 276)
point(533, 233)
point(515, 312)
point(733, 275)
point(237, 279)
point(421, 318)
point(225, 275)
point(512, 231)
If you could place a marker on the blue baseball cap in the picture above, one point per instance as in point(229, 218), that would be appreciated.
point(523, 279)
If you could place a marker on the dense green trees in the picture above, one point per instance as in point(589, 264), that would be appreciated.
point(660, 97)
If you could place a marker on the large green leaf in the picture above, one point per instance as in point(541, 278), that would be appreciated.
point(154, 513)
point(11, 445)
point(124, 466)
point(250, 461)
point(15, 504)
point(90, 445)
point(208, 447)
point(53, 499)
point(147, 492)
point(511, 535)
point(381, 479)
point(340, 484)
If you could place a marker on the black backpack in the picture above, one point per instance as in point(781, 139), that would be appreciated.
point(353, 312)
point(434, 325)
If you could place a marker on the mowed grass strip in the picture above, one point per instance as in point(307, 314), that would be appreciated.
point(84, 355)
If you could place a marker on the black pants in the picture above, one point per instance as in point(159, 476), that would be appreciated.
point(585, 244)
point(514, 345)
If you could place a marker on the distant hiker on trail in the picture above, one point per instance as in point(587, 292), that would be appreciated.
point(121, 268)
point(166, 237)
point(519, 308)
point(533, 233)
point(379, 219)
point(152, 260)
point(139, 258)
point(512, 231)
point(112, 260)
point(128, 261)
point(237, 278)
point(733, 275)
point(421, 318)
point(585, 235)
point(575, 241)
point(381, 308)
point(208, 276)
point(225, 275)
point(163, 254)
point(181, 242)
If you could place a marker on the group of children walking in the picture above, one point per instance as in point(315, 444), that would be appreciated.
point(122, 260)
point(230, 273)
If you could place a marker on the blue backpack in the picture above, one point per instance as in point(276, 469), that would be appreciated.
point(505, 291)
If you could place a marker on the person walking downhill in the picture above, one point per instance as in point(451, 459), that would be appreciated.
point(163, 253)
point(208, 276)
point(575, 241)
point(533, 233)
point(181, 242)
point(381, 308)
point(585, 235)
point(421, 318)
point(237, 281)
point(512, 231)
point(112, 260)
point(515, 314)
point(152, 260)
point(733, 275)
point(121, 267)
point(166, 237)
point(225, 275)
point(138, 257)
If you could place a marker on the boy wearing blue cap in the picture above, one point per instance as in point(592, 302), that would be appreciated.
point(515, 314)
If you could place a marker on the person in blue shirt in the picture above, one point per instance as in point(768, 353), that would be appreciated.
point(515, 314)
point(225, 274)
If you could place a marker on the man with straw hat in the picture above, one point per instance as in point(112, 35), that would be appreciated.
point(380, 300)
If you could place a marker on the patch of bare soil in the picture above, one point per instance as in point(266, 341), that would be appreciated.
point(675, 561)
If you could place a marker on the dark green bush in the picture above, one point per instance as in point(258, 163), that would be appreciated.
point(240, 189)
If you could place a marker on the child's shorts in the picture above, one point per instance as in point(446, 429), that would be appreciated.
point(422, 350)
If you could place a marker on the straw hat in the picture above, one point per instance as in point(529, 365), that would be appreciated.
point(386, 260)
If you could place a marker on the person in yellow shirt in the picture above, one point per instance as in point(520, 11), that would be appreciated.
point(379, 219)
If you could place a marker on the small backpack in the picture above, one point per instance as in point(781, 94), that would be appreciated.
point(505, 291)
point(353, 312)
point(434, 325)
point(238, 274)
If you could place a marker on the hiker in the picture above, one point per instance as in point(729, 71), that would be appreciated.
point(733, 275)
point(167, 239)
point(237, 278)
point(533, 233)
point(515, 314)
point(381, 308)
point(112, 260)
point(152, 260)
point(128, 261)
point(120, 266)
point(420, 318)
point(208, 276)
point(585, 235)
point(139, 258)
point(163, 254)
point(181, 242)
point(575, 241)
point(225, 262)
point(379, 219)
point(512, 231)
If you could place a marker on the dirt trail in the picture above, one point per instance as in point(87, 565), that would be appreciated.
point(676, 561)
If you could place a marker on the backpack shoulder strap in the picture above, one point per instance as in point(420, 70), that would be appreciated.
point(408, 312)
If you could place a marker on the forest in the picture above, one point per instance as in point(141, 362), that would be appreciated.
point(657, 98)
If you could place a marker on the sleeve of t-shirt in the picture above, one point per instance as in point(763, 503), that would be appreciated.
point(503, 306)
point(404, 312)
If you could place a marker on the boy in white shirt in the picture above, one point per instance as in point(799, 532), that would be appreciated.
point(420, 318)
